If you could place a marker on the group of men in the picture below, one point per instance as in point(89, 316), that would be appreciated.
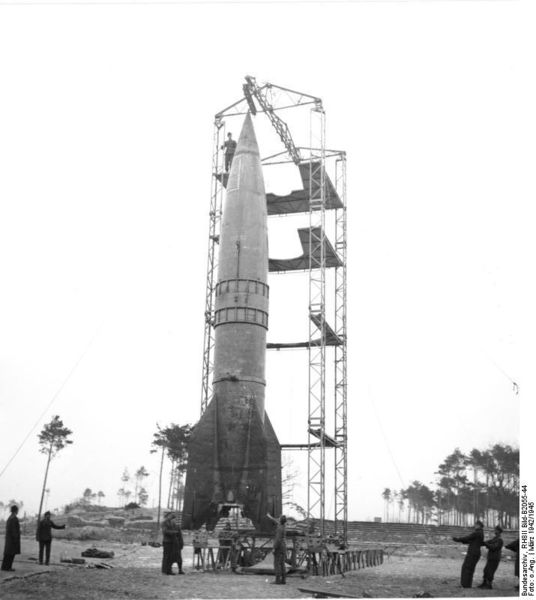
point(12, 541)
point(475, 541)
point(173, 543)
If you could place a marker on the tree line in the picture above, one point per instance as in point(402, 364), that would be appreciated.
point(170, 441)
point(480, 484)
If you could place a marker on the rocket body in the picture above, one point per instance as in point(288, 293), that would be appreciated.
point(234, 455)
point(241, 306)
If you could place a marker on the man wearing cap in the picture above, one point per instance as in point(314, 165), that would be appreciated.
point(494, 546)
point(474, 541)
point(44, 536)
point(229, 146)
point(280, 549)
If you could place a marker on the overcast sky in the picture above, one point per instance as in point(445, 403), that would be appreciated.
point(106, 120)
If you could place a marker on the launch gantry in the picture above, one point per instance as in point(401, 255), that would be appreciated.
point(319, 194)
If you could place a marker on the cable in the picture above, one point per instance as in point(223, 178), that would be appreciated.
point(371, 400)
point(515, 386)
point(54, 397)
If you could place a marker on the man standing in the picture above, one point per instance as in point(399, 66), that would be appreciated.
point(236, 547)
point(44, 536)
point(229, 146)
point(494, 547)
point(225, 541)
point(280, 549)
point(474, 541)
point(514, 547)
point(12, 544)
point(178, 546)
point(169, 537)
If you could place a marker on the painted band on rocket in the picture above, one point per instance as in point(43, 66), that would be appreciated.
point(241, 314)
point(232, 469)
point(249, 286)
point(235, 378)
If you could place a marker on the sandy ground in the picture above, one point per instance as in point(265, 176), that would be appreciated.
point(136, 575)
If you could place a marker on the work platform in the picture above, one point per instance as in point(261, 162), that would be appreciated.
point(330, 338)
point(302, 263)
point(252, 553)
point(298, 200)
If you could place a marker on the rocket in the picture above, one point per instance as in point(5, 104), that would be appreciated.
point(234, 456)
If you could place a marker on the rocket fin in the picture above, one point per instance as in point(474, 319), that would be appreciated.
point(254, 481)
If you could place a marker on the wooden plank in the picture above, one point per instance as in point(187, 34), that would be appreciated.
point(318, 593)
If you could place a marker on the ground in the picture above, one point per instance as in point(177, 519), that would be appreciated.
point(136, 575)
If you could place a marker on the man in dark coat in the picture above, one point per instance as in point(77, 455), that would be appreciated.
point(514, 547)
point(12, 545)
point(177, 546)
point(494, 546)
point(44, 536)
point(280, 548)
point(169, 542)
point(474, 541)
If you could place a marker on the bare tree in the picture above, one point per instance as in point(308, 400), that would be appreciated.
point(289, 476)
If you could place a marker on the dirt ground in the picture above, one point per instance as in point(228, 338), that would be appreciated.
point(136, 575)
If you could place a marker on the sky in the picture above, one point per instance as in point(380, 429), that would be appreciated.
point(106, 139)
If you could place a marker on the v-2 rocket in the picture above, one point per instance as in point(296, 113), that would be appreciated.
point(234, 455)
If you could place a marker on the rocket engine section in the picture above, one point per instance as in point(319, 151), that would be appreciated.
point(234, 454)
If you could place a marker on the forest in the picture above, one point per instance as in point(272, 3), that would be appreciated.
point(481, 484)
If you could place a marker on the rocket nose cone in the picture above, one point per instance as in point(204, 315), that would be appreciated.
point(247, 141)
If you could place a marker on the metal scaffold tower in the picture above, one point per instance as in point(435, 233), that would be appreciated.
point(316, 467)
point(215, 213)
point(340, 359)
point(326, 344)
